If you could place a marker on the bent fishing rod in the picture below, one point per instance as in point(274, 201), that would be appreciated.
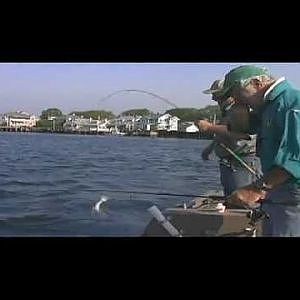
point(140, 91)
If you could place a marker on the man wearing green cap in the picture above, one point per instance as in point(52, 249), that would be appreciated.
point(235, 116)
point(277, 122)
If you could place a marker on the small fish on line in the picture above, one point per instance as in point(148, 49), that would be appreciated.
point(97, 206)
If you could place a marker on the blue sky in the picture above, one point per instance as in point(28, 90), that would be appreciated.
point(80, 86)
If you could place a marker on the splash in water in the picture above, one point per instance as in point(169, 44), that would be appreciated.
point(97, 206)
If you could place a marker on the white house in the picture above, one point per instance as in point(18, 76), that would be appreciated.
point(125, 123)
point(168, 123)
point(75, 123)
point(19, 119)
point(163, 122)
point(2, 120)
point(146, 123)
point(102, 126)
point(174, 123)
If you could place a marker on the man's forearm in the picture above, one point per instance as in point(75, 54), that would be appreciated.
point(222, 130)
point(218, 129)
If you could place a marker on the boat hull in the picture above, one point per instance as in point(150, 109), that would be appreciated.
point(205, 222)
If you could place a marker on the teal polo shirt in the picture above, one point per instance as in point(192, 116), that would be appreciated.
point(279, 133)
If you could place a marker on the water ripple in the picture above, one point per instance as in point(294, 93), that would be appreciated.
point(49, 183)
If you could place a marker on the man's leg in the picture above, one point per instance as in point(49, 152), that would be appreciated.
point(226, 179)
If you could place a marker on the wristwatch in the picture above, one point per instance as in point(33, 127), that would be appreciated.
point(261, 185)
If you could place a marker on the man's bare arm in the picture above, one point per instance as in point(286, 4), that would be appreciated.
point(221, 130)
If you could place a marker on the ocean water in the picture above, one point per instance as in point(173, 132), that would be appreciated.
point(49, 183)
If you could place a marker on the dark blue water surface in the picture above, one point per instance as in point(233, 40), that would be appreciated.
point(49, 183)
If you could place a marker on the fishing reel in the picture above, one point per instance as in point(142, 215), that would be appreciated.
point(256, 215)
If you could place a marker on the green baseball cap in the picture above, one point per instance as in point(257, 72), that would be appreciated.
point(241, 73)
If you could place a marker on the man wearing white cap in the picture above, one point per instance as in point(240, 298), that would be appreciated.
point(235, 116)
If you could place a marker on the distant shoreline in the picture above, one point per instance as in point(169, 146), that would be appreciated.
point(182, 135)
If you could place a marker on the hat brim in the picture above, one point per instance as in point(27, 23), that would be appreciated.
point(209, 91)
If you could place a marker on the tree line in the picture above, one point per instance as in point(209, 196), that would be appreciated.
point(185, 114)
